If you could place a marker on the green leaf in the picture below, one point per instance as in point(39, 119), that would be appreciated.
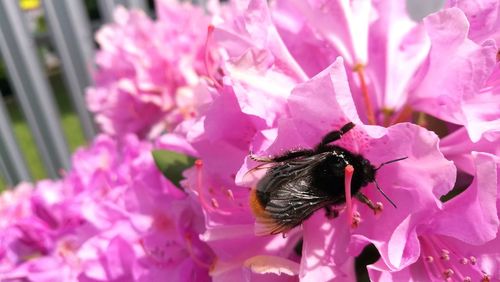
point(172, 164)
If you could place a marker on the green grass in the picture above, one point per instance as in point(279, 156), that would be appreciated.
point(69, 120)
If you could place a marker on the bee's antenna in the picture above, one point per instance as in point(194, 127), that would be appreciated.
point(389, 162)
point(378, 187)
point(382, 192)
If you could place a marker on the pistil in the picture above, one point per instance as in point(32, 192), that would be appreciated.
point(208, 58)
point(370, 114)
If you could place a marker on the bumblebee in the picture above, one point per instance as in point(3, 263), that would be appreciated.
point(300, 182)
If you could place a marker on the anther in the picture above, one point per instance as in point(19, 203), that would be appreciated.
point(445, 254)
point(429, 259)
point(464, 261)
point(379, 207)
point(356, 219)
point(473, 260)
point(215, 204)
point(467, 279)
point(448, 273)
point(229, 193)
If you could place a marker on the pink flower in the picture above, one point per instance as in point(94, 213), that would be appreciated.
point(372, 37)
point(459, 148)
point(395, 65)
point(38, 239)
point(141, 214)
point(148, 70)
point(114, 217)
point(461, 241)
point(222, 146)
point(457, 86)
point(255, 61)
point(483, 17)
point(413, 188)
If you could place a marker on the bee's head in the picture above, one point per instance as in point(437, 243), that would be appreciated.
point(368, 171)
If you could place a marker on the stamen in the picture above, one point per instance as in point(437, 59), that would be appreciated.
point(349, 171)
point(473, 260)
point(208, 64)
point(429, 259)
point(359, 69)
point(215, 204)
point(387, 114)
point(403, 115)
point(434, 268)
point(445, 254)
point(451, 263)
point(422, 120)
point(379, 207)
point(356, 219)
point(447, 273)
point(230, 194)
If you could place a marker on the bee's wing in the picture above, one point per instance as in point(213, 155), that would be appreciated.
point(290, 196)
point(254, 174)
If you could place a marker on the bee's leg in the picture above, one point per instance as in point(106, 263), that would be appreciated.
point(377, 207)
point(336, 135)
point(331, 213)
point(287, 156)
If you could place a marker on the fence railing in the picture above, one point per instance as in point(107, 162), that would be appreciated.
point(71, 33)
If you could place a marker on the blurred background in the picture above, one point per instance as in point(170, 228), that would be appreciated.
point(46, 59)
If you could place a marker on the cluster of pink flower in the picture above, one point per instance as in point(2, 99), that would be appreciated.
point(148, 70)
point(114, 217)
point(268, 77)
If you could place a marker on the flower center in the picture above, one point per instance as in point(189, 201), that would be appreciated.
point(221, 200)
point(445, 260)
